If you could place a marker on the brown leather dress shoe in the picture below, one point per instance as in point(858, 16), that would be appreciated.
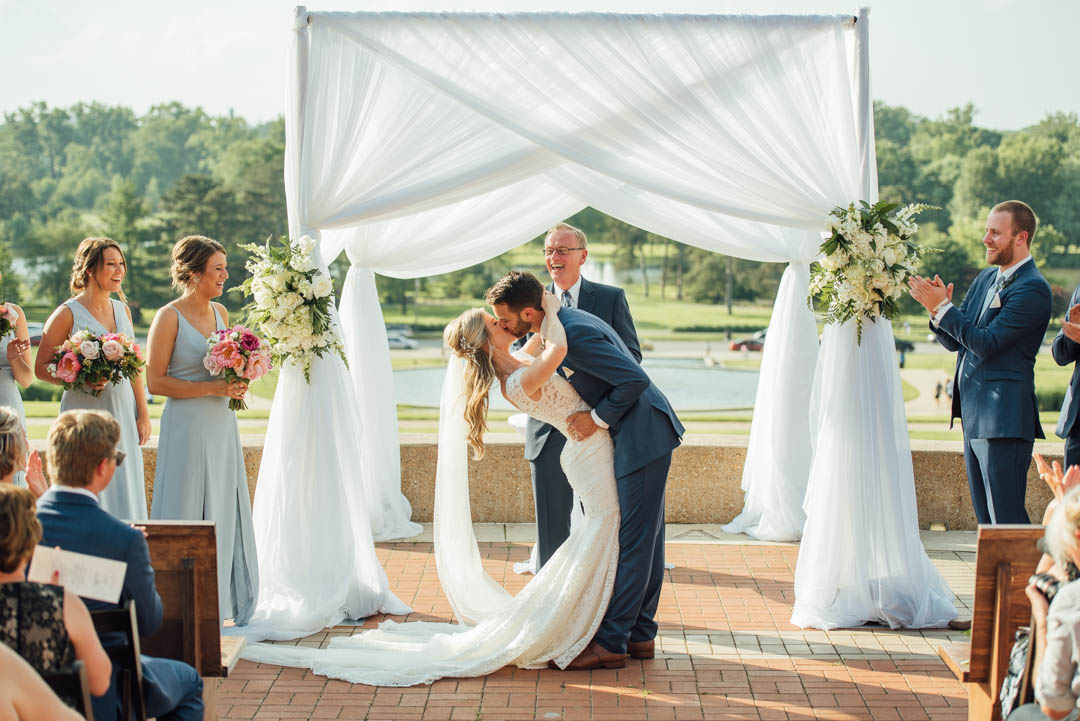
point(596, 656)
point(642, 649)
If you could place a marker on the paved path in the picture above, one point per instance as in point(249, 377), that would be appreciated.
point(727, 650)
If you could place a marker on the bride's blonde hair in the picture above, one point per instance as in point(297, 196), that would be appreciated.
point(467, 337)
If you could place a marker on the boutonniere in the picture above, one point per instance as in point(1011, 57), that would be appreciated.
point(1007, 282)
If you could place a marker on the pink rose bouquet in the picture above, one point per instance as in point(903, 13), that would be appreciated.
point(86, 359)
point(240, 355)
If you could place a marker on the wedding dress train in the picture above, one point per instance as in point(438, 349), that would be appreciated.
point(552, 618)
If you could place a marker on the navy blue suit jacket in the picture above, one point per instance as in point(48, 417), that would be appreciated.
point(77, 523)
point(1065, 352)
point(642, 424)
point(994, 392)
point(607, 303)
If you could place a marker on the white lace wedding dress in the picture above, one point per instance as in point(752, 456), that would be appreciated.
point(552, 618)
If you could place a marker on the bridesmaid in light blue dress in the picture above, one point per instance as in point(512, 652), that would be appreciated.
point(98, 272)
point(16, 369)
point(200, 471)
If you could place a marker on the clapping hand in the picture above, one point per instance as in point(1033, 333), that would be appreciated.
point(1071, 325)
point(930, 293)
point(15, 350)
point(35, 476)
point(1060, 483)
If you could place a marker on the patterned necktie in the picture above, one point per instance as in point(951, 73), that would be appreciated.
point(567, 299)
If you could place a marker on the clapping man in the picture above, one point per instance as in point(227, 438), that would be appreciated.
point(82, 458)
point(997, 332)
point(565, 251)
point(1066, 350)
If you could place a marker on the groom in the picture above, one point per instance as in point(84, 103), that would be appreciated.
point(644, 431)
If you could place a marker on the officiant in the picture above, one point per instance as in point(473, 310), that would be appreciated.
point(996, 331)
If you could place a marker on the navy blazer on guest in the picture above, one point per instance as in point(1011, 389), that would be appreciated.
point(608, 303)
point(642, 424)
point(77, 523)
point(1067, 351)
point(994, 392)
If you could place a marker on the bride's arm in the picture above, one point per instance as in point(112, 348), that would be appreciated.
point(554, 350)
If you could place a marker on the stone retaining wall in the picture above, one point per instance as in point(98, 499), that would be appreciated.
point(704, 485)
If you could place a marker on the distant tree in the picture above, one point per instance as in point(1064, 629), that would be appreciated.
point(161, 147)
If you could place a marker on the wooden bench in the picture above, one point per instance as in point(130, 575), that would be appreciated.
point(1005, 558)
point(184, 557)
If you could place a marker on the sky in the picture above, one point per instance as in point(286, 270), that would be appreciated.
point(1016, 60)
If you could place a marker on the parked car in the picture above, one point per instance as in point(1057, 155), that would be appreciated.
point(35, 332)
point(400, 342)
point(754, 342)
point(400, 328)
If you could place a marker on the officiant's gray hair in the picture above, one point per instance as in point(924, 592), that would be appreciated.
point(579, 234)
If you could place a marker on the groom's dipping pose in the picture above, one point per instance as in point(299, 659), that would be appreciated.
point(644, 431)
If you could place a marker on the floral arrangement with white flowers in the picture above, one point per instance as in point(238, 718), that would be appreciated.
point(868, 258)
point(290, 302)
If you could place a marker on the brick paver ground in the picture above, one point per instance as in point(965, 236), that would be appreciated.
point(727, 651)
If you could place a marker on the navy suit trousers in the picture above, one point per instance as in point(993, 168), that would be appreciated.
point(631, 612)
point(172, 691)
point(997, 478)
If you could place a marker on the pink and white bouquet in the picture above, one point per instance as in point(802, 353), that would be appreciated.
point(8, 318)
point(240, 355)
point(86, 359)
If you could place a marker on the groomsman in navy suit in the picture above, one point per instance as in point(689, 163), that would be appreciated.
point(1066, 350)
point(565, 251)
point(997, 332)
point(82, 459)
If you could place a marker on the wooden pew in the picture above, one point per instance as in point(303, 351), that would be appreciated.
point(1005, 557)
point(184, 557)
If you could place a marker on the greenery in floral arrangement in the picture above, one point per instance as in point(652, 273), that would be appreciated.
point(868, 258)
point(290, 302)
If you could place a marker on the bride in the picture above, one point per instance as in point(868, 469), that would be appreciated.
point(555, 616)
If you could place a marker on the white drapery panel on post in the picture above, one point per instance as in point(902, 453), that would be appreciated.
point(422, 143)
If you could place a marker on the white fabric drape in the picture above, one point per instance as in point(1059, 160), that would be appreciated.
point(425, 142)
point(473, 594)
point(861, 558)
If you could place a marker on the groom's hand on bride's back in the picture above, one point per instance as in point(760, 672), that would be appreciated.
point(581, 425)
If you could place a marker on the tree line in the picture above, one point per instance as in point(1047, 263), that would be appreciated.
point(95, 169)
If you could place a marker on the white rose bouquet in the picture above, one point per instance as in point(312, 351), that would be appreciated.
point(290, 302)
point(868, 258)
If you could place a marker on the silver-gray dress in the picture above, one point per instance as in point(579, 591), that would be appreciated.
point(9, 393)
point(200, 474)
point(125, 496)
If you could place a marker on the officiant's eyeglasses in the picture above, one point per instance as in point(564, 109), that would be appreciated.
point(119, 456)
point(561, 252)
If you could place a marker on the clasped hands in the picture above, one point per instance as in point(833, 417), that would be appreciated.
point(930, 293)
point(1070, 326)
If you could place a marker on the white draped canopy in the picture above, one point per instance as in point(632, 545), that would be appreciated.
point(421, 143)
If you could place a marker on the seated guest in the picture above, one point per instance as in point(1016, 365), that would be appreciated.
point(46, 625)
point(1057, 625)
point(24, 696)
point(13, 459)
point(82, 457)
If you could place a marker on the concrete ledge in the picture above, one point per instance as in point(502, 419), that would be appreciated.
point(704, 485)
